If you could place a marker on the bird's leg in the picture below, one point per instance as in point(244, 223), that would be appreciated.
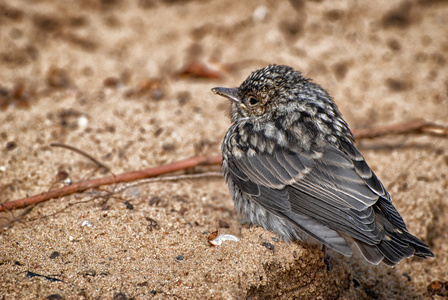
point(326, 258)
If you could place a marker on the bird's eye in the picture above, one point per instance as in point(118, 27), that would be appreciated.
point(253, 101)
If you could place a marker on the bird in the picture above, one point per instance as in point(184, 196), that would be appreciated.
point(292, 167)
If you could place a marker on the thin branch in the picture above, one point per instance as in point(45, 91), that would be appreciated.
point(83, 153)
point(414, 127)
point(125, 177)
point(167, 178)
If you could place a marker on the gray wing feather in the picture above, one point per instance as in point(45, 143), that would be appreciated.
point(373, 183)
point(372, 254)
point(328, 194)
point(325, 190)
point(363, 169)
point(257, 171)
point(274, 200)
point(329, 178)
point(358, 224)
point(321, 232)
point(275, 171)
point(241, 179)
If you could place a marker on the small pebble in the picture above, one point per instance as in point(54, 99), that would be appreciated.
point(120, 296)
point(269, 246)
point(128, 205)
point(90, 273)
point(11, 145)
point(223, 224)
point(112, 82)
point(179, 257)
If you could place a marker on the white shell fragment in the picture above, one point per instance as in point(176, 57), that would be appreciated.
point(83, 121)
point(223, 237)
point(86, 223)
point(260, 13)
point(67, 181)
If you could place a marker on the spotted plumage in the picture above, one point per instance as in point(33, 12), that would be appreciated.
point(292, 167)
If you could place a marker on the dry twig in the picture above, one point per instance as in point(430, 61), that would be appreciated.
point(125, 177)
point(415, 127)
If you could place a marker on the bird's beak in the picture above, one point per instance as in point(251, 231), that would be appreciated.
point(230, 94)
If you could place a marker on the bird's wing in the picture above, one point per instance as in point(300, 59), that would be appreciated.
point(328, 187)
point(329, 176)
point(370, 179)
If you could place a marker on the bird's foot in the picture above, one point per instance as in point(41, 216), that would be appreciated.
point(326, 258)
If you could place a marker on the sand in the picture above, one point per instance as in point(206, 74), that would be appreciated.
point(103, 76)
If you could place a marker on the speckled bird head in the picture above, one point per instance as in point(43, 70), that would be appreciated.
point(274, 90)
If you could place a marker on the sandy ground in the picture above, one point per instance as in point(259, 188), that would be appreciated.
point(101, 76)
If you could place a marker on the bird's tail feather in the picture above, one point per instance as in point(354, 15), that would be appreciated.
point(393, 248)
